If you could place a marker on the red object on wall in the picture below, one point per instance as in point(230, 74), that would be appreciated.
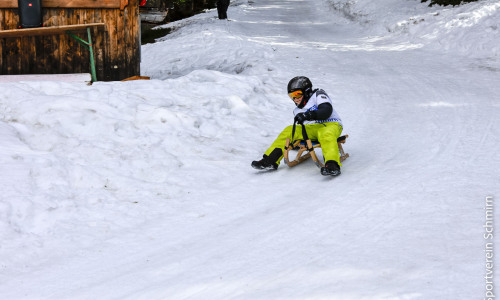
point(143, 2)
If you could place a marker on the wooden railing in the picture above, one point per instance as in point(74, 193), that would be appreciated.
point(47, 30)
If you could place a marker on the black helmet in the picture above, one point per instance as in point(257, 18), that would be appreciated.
point(303, 84)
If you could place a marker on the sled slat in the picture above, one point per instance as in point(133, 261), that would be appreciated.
point(303, 148)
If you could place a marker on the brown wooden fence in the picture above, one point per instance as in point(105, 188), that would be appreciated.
point(115, 33)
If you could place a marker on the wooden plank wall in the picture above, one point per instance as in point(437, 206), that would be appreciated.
point(116, 49)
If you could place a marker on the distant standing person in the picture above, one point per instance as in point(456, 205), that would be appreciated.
point(222, 6)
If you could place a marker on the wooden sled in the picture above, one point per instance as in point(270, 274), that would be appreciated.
point(308, 146)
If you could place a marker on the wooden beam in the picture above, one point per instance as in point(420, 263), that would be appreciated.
point(137, 77)
point(72, 3)
point(8, 4)
point(47, 30)
point(82, 3)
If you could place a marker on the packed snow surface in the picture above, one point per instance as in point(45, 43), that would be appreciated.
point(144, 190)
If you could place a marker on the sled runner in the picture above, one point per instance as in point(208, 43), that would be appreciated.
point(307, 145)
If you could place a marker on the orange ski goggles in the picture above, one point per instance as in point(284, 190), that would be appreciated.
point(296, 94)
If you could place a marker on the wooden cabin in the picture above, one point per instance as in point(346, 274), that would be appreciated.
point(73, 32)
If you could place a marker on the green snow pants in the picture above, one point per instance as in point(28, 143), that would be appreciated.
point(325, 133)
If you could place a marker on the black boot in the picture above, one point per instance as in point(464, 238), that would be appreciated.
point(331, 168)
point(268, 162)
point(264, 164)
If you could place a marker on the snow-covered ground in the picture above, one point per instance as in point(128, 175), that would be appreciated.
point(144, 190)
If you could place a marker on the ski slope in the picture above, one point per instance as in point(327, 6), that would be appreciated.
point(144, 190)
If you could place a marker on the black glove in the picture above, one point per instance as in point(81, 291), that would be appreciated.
point(301, 117)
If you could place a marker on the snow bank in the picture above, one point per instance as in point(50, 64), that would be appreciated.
point(470, 29)
point(73, 151)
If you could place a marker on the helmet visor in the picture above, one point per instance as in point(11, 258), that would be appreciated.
point(296, 94)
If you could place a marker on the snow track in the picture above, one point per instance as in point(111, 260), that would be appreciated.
point(144, 190)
